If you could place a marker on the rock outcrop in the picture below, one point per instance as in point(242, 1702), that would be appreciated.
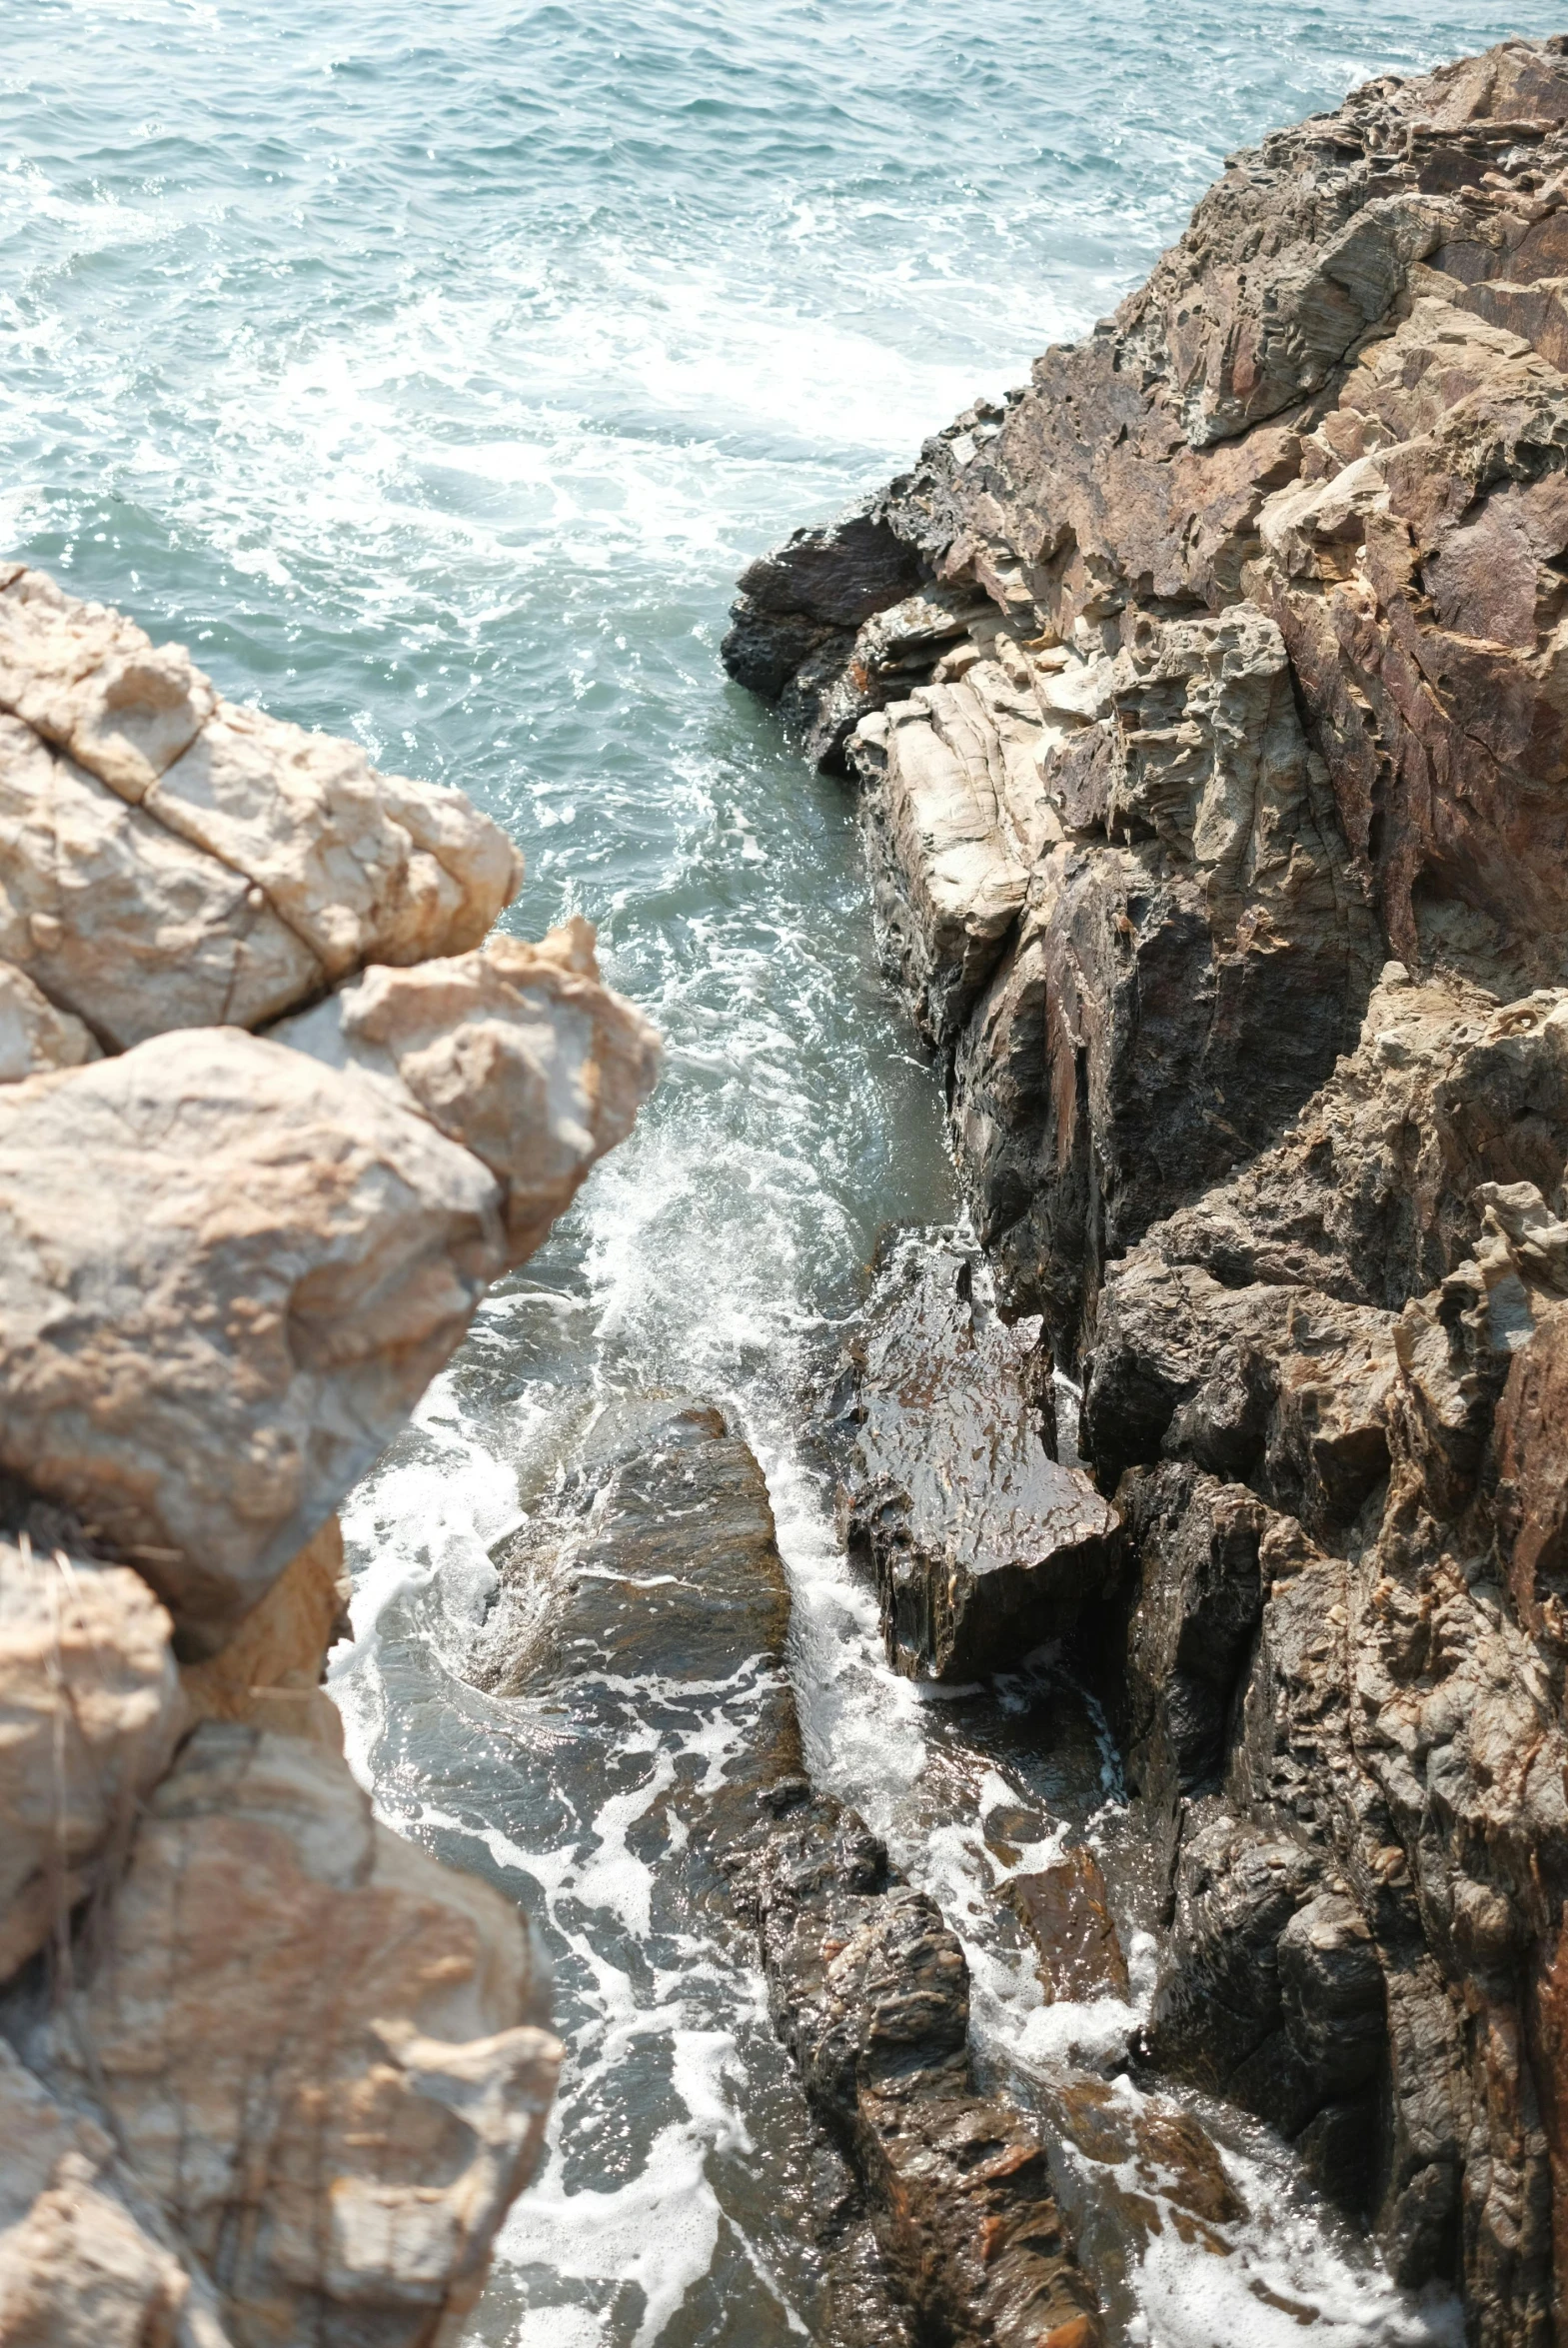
point(269, 2073)
point(870, 1989)
point(984, 1546)
point(1218, 670)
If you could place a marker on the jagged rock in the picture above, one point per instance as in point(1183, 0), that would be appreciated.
point(793, 628)
point(870, 1990)
point(86, 2261)
point(982, 1546)
point(1333, 422)
point(34, 1035)
point(269, 1670)
point(123, 924)
point(517, 1052)
point(266, 1928)
point(93, 1711)
point(279, 1255)
point(231, 861)
point(1065, 1911)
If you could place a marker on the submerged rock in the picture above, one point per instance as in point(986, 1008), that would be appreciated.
point(982, 1545)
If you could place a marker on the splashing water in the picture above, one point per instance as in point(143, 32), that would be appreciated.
point(432, 370)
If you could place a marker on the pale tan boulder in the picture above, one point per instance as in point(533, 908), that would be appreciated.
point(85, 2260)
point(90, 1712)
point(88, 679)
point(319, 2049)
point(226, 1277)
point(517, 1052)
point(122, 922)
point(354, 866)
point(364, 867)
point(34, 1035)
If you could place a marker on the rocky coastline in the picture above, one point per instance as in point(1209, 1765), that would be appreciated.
point(1204, 703)
point(276, 1105)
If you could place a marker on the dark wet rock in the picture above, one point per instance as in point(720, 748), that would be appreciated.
point(794, 625)
point(870, 1989)
point(1065, 1911)
point(1275, 689)
point(984, 1545)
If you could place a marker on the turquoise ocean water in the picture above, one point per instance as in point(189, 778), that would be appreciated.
point(432, 369)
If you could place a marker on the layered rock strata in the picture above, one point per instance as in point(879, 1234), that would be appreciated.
point(269, 2072)
point(1264, 697)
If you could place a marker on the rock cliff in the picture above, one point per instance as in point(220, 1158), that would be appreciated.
point(1205, 701)
point(275, 1106)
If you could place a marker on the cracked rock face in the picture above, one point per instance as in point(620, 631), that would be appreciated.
point(168, 860)
point(267, 2072)
point(267, 1927)
point(1260, 690)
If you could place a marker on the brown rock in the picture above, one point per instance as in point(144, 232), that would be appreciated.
point(1066, 1912)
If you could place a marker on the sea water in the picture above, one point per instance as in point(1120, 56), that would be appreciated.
point(431, 367)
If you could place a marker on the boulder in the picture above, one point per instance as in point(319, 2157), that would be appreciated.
point(267, 1930)
point(280, 1254)
point(93, 1711)
point(982, 1545)
point(231, 862)
point(227, 1274)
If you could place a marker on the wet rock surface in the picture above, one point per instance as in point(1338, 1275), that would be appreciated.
point(982, 1545)
point(654, 1567)
point(1267, 702)
point(869, 1988)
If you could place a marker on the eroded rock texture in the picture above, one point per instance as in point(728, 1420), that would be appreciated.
point(1230, 674)
point(870, 1989)
point(267, 2073)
